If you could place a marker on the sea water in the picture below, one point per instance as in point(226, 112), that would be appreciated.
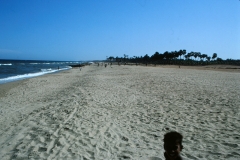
point(12, 70)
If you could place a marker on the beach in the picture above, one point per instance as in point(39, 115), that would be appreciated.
point(121, 112)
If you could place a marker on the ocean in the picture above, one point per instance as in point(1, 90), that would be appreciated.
point(13, 70)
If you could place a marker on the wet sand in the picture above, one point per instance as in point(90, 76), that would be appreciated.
point(121, 112)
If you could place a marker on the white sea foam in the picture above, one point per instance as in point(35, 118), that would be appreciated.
point(46, 70)
point(7, 64)
point(40, 63)
point(30, 75)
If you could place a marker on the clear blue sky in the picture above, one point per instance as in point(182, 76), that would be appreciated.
point(93, 29)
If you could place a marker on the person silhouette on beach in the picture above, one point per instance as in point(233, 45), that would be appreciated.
point(173, 145)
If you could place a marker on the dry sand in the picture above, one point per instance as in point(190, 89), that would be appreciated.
point(121, 112)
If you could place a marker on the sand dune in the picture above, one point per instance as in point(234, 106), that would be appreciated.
point(121, 112)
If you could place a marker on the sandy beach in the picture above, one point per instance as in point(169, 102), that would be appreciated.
point(121, 112)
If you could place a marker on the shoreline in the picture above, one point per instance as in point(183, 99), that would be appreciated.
point(223, 68)
point(120, 112)
point(5, 87)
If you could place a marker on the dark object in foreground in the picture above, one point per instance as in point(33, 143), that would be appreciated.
point(77, 65)
point(173, 145)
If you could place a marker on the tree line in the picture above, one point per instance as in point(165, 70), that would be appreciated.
point(180, 57)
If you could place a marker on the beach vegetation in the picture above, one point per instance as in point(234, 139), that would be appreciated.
point(180, 57)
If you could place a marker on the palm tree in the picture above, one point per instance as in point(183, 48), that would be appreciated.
point(204, 56)
point(184, 52)
point(199, 55)
point(145, 59)
point(166, 55)
point(208, 58)
point(155, 56)
point(111, 58)
point(187, 56)
point(180, 53)
point(191, 54)
point(214, 56)
point(195, 55)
